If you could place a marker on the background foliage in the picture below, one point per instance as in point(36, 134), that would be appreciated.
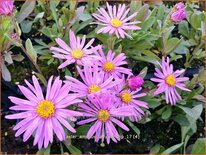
point(166, 129)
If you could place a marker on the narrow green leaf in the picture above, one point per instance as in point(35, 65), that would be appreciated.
point(183, 28)
point(148, 23)
point(155, 149)
point(26, 9)
point(173, 149)
point(30, 50)
point(199, 146)
point(42, 79)
point(171, 45)
point(53, 5)
point(167, 112)
point(73, 149)
point(133, 127)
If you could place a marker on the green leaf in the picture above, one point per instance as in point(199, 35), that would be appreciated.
point(53, 5)
point(171, 45)
point(192, 127)
point(145, 58)
point(39, 16)
point(45, 150)
point(181, 119)
point(167, 112)
point(173, 149)
point(82, 130)
point(160, 12)
point(199, 146)
point(5, 73)
point(183, 28)
point(142, 13)
point(148, 23)
point(195, 20)
point(135, 5)
point(133, 127)
point(42, 79)
point(144, 71)
point(192, 113)
point(30, 50)
point(26, 26)
point(73, 149)
point(26, 9)
point(155, 149)
point(82, 25)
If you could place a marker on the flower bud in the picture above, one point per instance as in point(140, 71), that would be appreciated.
point(135, 82)
point(6, 7)
point(178, 16)
point(179, 13)
point(179, 6)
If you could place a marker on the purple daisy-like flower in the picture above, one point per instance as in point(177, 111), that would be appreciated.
point(111, 65)
point(125, 97)
point(77, 52)
point(93, 81)
point(115, 21)
point(101, 111)
point(6, 7)
point(44, 116)
point(169, 81)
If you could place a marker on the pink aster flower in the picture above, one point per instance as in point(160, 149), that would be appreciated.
point(77, 52)
point(135, 82)
point(169, 81)
point(99, 109)
point(125, 97)
point(115, 21)
point(179, 13)
point(6, 7)
point(44, 116)
point(111, 65)
point(93, 81)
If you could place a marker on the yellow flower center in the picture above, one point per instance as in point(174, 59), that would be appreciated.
point(77, 54)
point(94, 88)
point(45, 109)
point(116, 22)
point(103, 115)
point(108, 66)
point(170, 80)
point(126, 97)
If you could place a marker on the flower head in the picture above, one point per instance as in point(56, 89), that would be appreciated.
point(44, 115)
point(6, 7)
point(111, 65)
point(77, 52)
point(125, 97)
point(135, 82)
point(115, 21)
point(93, 81)
point(169, 81)
point(179, 13)
point(101, 111)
